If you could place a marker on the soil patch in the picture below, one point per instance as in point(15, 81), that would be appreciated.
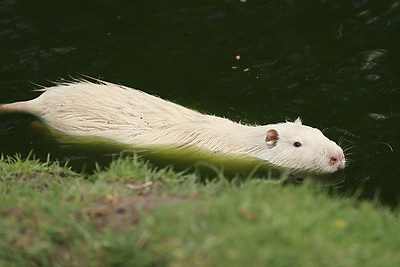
point(119, 212)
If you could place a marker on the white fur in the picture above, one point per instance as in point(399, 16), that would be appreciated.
point(133, 117)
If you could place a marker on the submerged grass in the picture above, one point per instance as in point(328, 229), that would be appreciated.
point(134, 215)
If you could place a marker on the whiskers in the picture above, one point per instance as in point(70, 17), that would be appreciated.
point(347, 150)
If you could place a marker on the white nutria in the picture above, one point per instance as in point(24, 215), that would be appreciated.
point(130, 116)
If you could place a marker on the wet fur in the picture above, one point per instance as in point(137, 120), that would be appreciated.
point(130, 116)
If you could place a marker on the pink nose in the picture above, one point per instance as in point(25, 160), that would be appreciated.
point(336, 159)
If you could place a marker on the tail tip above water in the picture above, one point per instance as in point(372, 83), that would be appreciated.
point(3, 108)
point(13, 107)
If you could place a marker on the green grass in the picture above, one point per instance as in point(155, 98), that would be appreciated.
point(134, 215)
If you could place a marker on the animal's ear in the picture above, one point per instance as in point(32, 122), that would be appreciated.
point(272, 138)
point(298, 120)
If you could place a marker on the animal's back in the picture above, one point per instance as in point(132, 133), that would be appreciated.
point(116, 112)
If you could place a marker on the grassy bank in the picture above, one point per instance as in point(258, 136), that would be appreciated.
point(133, 215)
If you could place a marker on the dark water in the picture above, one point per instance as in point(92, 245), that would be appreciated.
point(334, 63)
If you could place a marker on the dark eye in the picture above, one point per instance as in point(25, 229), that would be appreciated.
point(297, 144)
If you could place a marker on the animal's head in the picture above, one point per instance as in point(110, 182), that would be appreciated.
point(297, 146)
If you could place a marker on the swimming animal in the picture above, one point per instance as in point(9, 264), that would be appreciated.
point(133, 117)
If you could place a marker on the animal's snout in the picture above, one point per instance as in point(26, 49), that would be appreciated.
point(337, 159)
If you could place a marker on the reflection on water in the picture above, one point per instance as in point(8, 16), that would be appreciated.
point(335, 178)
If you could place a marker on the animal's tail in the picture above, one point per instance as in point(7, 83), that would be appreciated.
point(13, 107)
